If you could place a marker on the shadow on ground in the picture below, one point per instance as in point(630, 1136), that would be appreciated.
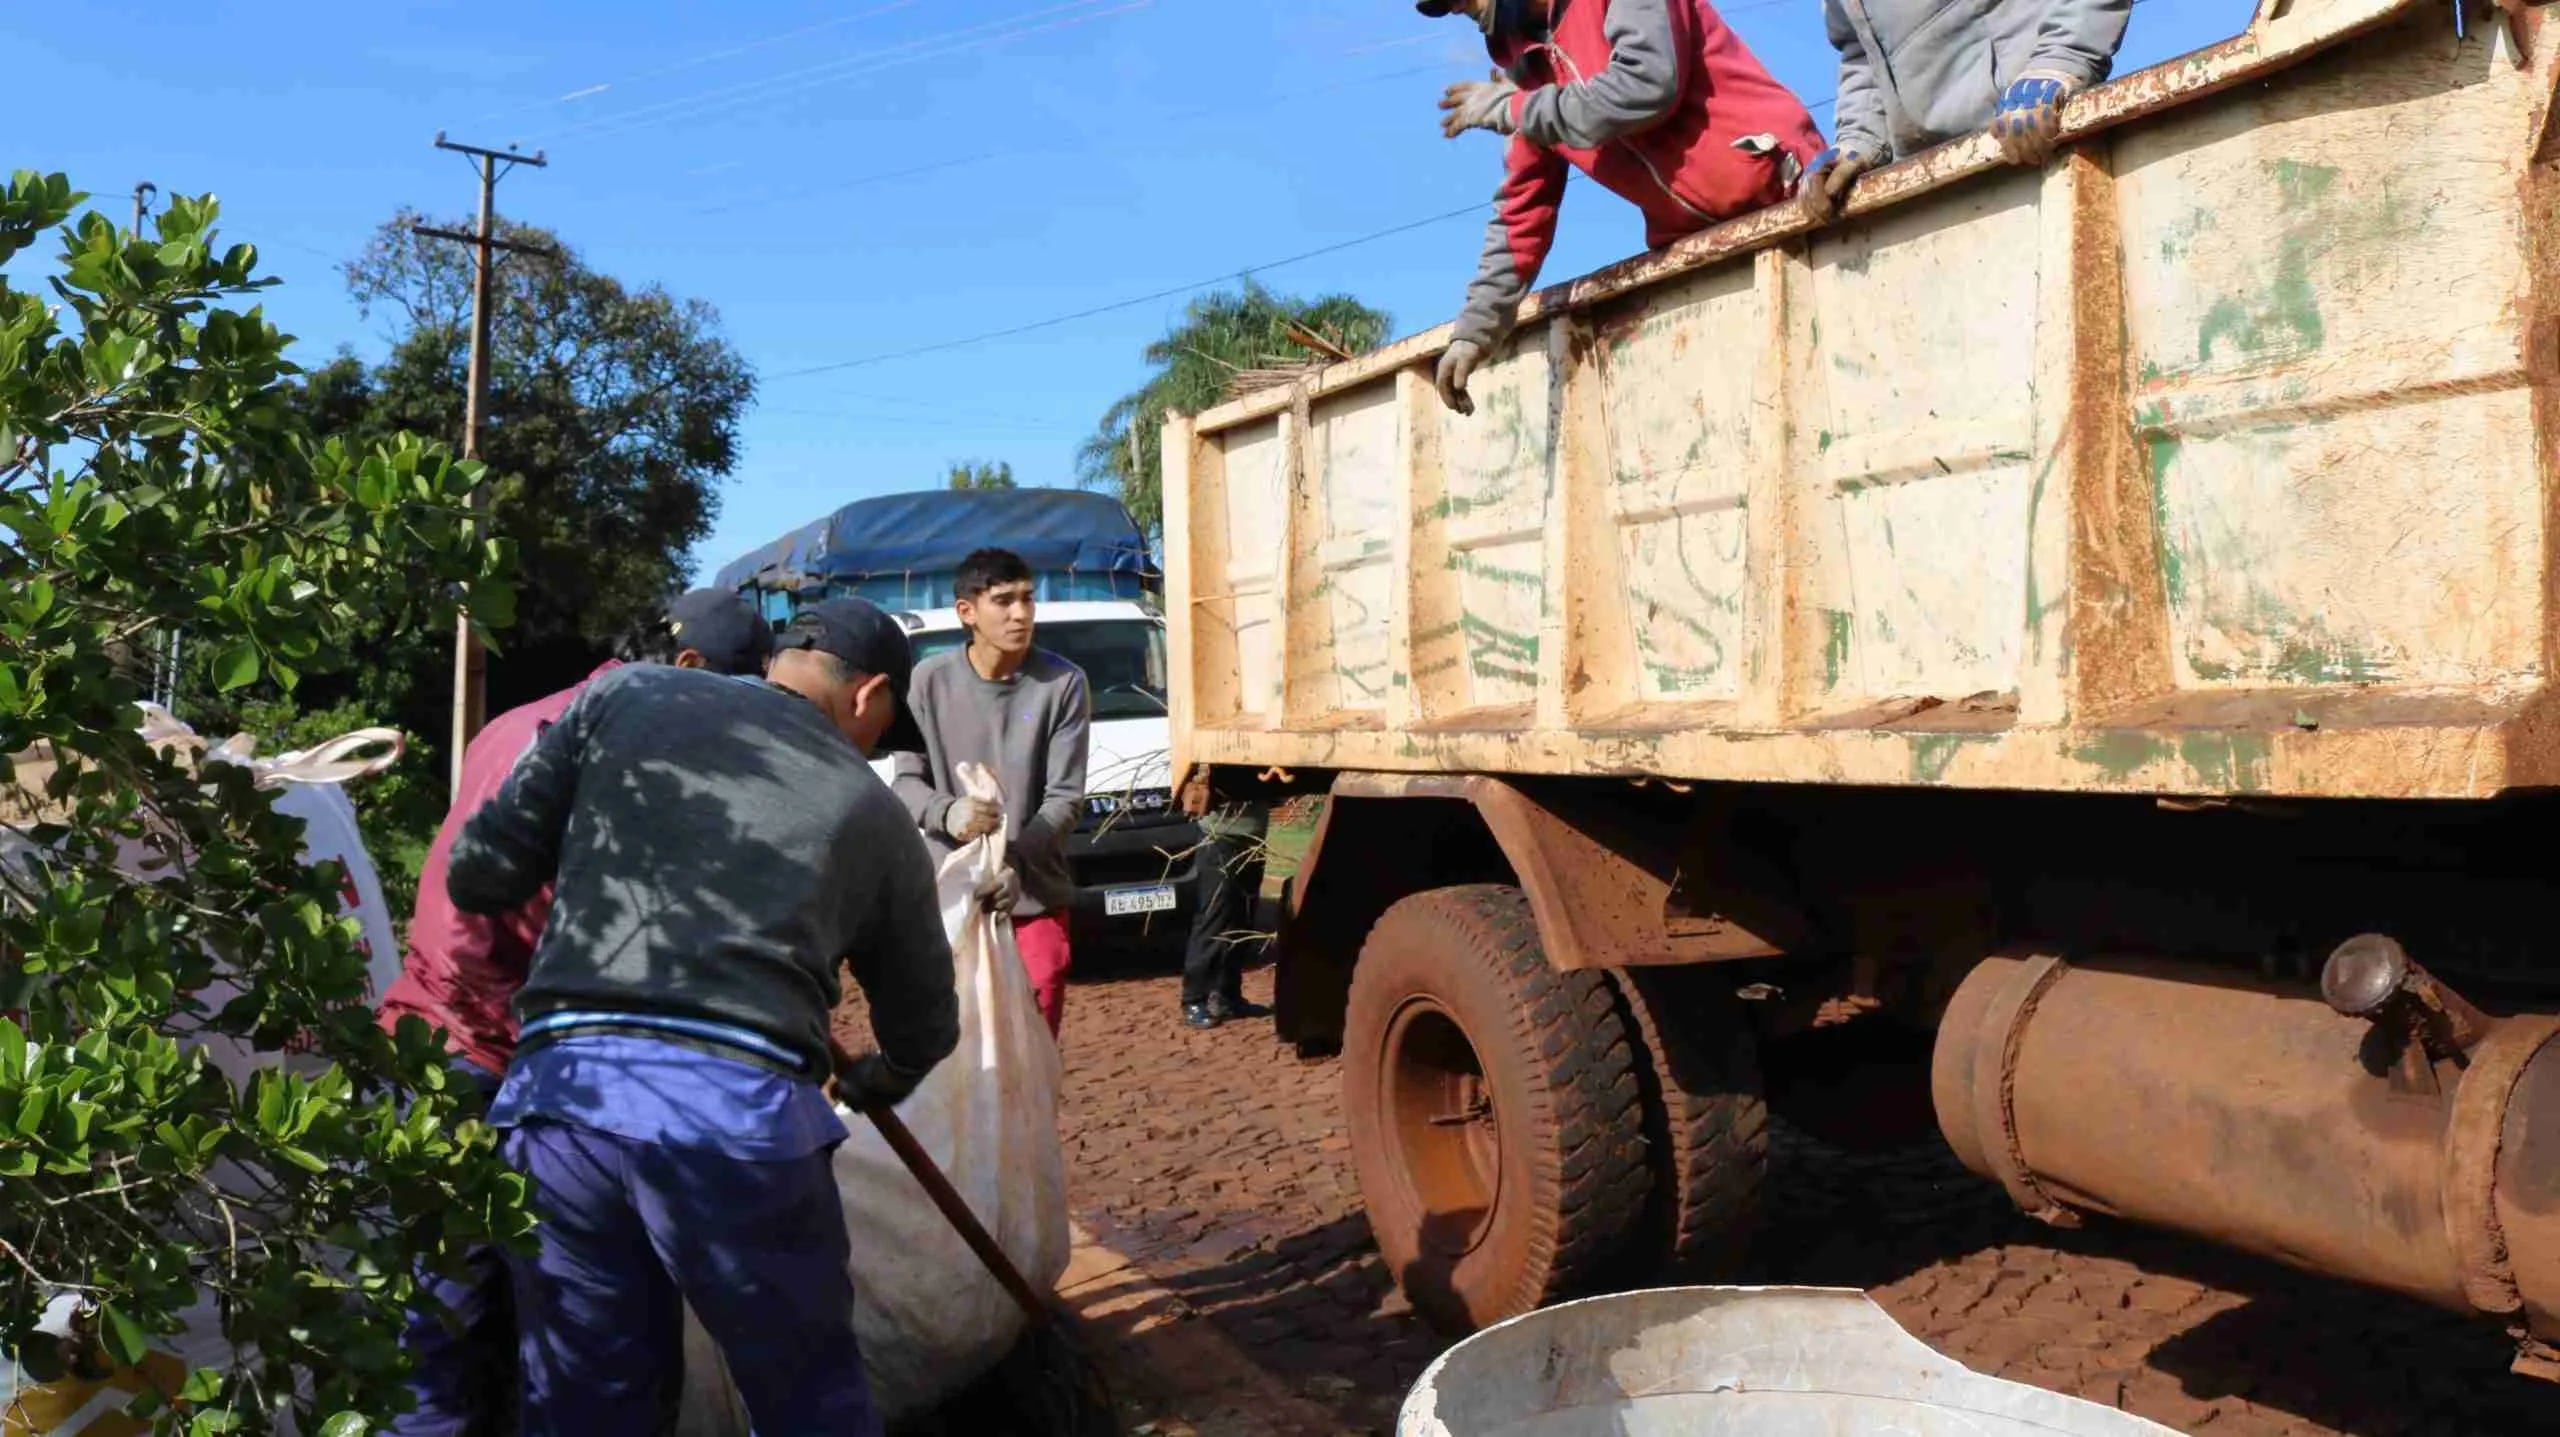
point(1215, 1162)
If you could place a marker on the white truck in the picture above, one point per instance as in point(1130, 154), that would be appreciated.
point(1096, 580)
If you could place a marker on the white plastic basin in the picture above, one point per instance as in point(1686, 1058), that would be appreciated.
point(1729, 1362)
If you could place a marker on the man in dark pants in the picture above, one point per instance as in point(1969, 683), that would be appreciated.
point(459, 974)
point(1223, 938)
point(718, 846)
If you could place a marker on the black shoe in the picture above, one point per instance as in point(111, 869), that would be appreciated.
point(1201, 1015)
point(1227, 1009)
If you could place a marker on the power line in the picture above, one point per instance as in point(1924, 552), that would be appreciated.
point(984, 156)
point(905, 52)
point(1134, 301)
point(705, 58)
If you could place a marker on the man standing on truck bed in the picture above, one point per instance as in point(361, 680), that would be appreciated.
point(459, 975)
point(1025, 714)
point(1657, 99)
point(1912, 76)
point(719, 848)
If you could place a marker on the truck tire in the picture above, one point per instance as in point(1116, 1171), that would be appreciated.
point(1494, 1113)
point(1706, 1125)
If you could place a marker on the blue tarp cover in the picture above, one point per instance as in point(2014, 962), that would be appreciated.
point(1054, 530)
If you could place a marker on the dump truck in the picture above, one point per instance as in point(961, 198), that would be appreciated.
point(2097, 620)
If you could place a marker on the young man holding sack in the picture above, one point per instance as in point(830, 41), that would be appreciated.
point(1025, 715)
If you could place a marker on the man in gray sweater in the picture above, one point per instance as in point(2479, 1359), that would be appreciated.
point(716, 847)
point(1025, 714)
point(1916, 73)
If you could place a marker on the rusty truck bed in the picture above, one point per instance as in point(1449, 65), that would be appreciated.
point(2215, 457)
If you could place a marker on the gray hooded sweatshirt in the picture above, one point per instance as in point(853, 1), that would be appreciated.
point(1916, 73)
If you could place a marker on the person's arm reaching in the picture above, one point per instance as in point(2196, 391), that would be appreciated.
point(2075, 47)
point(1857, 115)
point(1860, 139)
point(510, 848)
point(912, 781)
point(2077, 41)
point(1516, 242)
point(902, 960)
point(1070, 746)
point(1638, 86)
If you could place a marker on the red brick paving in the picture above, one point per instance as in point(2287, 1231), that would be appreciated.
point(1215, 1163)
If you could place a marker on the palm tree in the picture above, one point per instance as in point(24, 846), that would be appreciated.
point(1222, 337)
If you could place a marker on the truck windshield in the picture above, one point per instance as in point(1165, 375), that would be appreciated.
point(1122, 659)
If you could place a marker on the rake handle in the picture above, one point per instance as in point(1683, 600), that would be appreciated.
point(955, 1210)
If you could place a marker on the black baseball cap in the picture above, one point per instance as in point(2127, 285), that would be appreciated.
point(862, 634)
point(722, 627)
point(1435, 7)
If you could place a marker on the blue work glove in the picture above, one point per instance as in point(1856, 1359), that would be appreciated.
point(1825, 185)
point(1478, 105)
point(2029, 118)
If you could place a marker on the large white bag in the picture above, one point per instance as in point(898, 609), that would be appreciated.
point(930, 1317)
point(308, 785)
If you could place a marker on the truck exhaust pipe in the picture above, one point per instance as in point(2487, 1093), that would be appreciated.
point(2392, 1134)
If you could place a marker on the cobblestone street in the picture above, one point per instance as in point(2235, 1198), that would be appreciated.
point(1230, 1273)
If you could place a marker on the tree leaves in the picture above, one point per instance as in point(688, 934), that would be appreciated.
point(158, 478)
point(237, 667)
point(1221, 335)
point(979, 474)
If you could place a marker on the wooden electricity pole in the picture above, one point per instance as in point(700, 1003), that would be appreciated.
point(470, 664)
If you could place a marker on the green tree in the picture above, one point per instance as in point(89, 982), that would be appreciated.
point(979, 474)
point(613, 417)
point(154, 472)
point(1222, 335)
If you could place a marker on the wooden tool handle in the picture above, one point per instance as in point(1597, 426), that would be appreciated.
point(955, 1209)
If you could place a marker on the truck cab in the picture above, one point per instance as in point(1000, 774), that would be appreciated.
point(1132, 850)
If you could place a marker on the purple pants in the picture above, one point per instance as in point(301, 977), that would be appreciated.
point(758, 1249)
point(464, 1382)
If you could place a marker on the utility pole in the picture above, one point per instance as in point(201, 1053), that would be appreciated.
point(470, 664)
point(141, 196)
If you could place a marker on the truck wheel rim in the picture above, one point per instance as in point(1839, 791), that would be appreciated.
point(1442, 1119)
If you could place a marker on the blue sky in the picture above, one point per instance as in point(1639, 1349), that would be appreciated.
point(847, 179)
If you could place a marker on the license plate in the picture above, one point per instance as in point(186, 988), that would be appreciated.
point(1152, 898)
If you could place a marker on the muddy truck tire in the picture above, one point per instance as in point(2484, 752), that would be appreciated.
point(1495, 1115)
point(1706, 1125)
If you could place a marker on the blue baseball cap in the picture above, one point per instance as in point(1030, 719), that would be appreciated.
point(862, 634)
point(722, 627)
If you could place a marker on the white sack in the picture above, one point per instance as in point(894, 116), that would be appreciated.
point(930, 1317)
point(309, 787)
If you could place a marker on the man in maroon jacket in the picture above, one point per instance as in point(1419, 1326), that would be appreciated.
point(460, 974)
point(1657, 99)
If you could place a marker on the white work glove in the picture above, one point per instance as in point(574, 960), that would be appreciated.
point(2029, 118)
point(1001, 891)
point(1457, 363)
point(1825, 186)
point(1478, 105)
point(969, 818)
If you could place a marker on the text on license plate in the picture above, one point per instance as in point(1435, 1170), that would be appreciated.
point(1151, 898)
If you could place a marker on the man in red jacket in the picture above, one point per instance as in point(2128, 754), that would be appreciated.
point(460, 974)
point(1657, 99)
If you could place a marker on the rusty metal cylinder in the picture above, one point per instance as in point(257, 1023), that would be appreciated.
point(2256, 1115)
